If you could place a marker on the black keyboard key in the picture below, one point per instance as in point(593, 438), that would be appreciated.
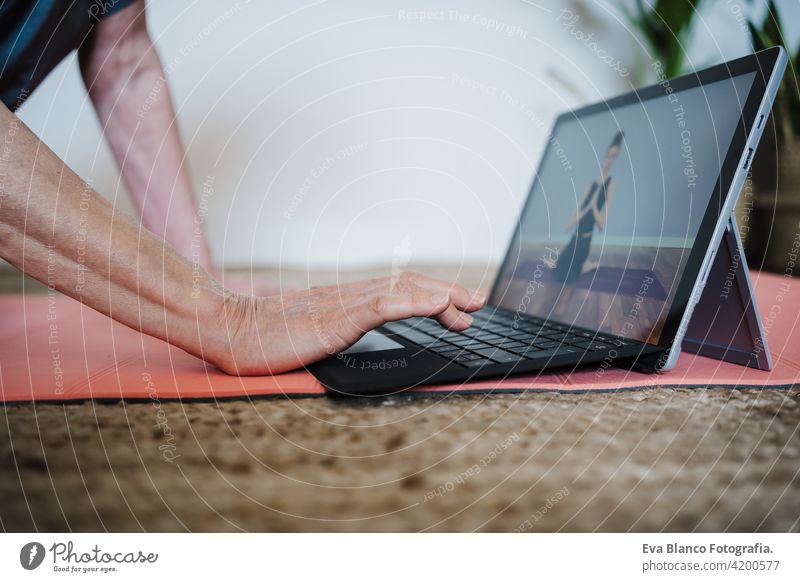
point(499, 355)
point(503, 316)
point(448, 336)
point(546, 345)
point(468, 343)
point(523, 350)
point(443, 347)
point(559, 351)
point(477, 363)
point(471, 331)
point(396, 326)
point(506, 344)
point(431, 329)
point(450, 356)
point(416, 336)
point(496, 327)
point(557, 335)
point(507, 358)
point(462, 341)
point(525, 341)
point(431, 341)
point(592, 345)
point(477, 346)
point(467, 357)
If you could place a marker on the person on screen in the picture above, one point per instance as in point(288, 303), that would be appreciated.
point(593, 212)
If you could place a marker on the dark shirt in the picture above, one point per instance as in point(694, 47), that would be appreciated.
point(36, 35)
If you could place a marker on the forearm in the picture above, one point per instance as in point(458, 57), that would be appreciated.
point(58, 230)
point(128, 89)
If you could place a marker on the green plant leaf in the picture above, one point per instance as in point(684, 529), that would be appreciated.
point(757, 38)
point(772, 27)
point(665, 26)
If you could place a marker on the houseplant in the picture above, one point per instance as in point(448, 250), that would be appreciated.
point(773, 226)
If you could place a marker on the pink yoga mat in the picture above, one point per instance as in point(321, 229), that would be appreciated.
point(52, 348)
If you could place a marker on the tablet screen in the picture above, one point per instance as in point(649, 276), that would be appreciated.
point(618, 200)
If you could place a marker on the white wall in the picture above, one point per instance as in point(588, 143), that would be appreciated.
point(351, 132)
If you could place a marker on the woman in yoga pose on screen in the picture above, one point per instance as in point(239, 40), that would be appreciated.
point(593, 211)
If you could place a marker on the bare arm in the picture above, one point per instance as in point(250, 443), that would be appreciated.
point(57, 229)
point(127, 86)
point(50, 218)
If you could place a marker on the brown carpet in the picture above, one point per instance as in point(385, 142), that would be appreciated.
point(674, 460)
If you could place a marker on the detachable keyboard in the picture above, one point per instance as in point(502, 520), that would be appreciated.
point(498, 336)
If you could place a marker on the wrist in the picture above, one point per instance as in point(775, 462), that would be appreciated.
point(204, 310)
point(226, 332)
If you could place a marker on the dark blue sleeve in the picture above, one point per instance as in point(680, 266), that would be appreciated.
point(105, 8)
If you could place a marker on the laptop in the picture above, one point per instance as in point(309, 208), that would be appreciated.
point(626, 229)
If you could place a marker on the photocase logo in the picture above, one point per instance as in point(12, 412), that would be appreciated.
point(31, 555)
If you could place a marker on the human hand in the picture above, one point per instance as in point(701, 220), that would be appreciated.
point(270, 335)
